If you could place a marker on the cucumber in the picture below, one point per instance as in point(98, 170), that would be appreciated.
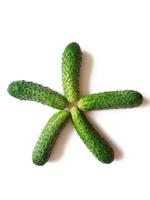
point(110, 100)
point(48, 137)
point(71, 62)
point(24, 90)
point(91, 138)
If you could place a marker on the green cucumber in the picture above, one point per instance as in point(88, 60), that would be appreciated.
point(24, 90)
point(96, 144)
point(110, 100)
point(71, 62)
point(48, 137)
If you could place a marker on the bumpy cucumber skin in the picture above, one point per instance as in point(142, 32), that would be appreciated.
point(24, 90)
point(110, 100)
point(71, 62)
point(91, 138)
point(48, 137)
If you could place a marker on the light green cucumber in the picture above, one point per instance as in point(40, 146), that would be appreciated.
point(92, 139)
point(71, 62)
point(48, 137)
point(24, 90)
point(110, 100)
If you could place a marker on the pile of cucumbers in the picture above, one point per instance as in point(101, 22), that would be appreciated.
point(71, 106)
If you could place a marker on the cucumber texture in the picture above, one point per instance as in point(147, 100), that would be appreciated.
point(91, 138)
point(71, 62)
point(110, 100)
point(48, 137)
point(24, 90)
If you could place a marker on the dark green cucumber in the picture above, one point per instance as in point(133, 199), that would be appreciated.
point(96, 144)
point(24, 90)
point(71, 62)
point(48, 137)
point(109, 100)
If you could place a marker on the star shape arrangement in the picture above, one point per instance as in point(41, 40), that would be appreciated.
point(72, 105)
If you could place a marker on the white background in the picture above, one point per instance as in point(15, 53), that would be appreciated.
point(115, 38)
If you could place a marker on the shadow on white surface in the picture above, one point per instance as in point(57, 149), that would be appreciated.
point(61, 142)
point(85, 73)
point(146, 102)
point(117, 150)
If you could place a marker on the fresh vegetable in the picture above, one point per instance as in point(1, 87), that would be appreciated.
point(110, 100)
point(24, 90)
point(48, 137)
point(71, 62)
point(91, 138)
